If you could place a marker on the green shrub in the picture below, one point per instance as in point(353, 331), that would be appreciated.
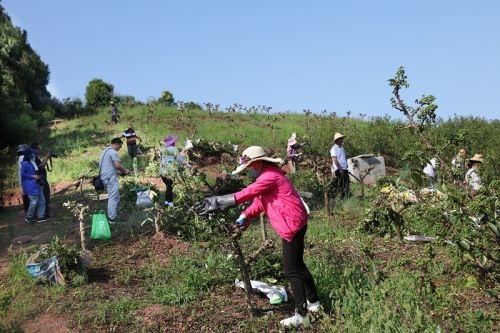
point(73, 107)
point(98, 94)
point(22, 128)
point(166, 98)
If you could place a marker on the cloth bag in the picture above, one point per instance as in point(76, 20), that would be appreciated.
point(97, 182)
point(144, 199)
point(48, 270)
point(100, 227)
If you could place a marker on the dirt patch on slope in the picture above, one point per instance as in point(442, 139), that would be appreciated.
point(48, 323)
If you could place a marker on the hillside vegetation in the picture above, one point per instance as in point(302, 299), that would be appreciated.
point(177, 274)
point(78, 141)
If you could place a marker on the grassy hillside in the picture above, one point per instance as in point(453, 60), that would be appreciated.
point(181, 280)
point(78, 141)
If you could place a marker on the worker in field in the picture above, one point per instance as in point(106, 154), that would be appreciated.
point(31, 188)
point(110, 167)
point(472, 177)
point(20, 159)
point(43, 167)
point(114, 113)
point(273, 193)
point(430, 172)
point(170, 161)
point(339, 166)
point(293, 153)
point(458, 166)
point(131, 137)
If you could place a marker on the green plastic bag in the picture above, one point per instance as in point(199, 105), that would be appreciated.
point(100, 227)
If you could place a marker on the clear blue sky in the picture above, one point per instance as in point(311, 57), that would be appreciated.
point(291, 55)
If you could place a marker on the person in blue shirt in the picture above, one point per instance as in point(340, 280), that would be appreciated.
point(339, 166)
point(31, 188)
point(169, 162)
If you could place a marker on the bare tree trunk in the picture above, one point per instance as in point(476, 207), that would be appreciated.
point(82, 229)
point(157, 217)
point(326, 198)
point(269, 243)
point(263, 227)
point(245, 274)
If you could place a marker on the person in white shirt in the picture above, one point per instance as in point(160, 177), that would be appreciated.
point(472, 178)
point(110, 166)
point(430, 172)
point(458, 165)
point(339, 166)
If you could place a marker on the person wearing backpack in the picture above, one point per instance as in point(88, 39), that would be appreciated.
point(110, 167)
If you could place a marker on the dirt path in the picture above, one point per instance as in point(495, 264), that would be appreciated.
point(16, 234)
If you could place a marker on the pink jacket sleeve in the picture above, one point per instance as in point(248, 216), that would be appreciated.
point(262, 185)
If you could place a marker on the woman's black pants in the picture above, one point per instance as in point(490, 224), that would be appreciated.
point(169, 195)
point(296, 272)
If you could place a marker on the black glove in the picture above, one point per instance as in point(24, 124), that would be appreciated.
point(212, 204)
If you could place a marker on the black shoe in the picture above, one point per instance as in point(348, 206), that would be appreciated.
point(28, 220)
point(43, 219)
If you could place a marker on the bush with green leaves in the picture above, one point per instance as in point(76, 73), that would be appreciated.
point(166, 98)
point(23, 82)
point(73, 107)
point(69, 257)
point(98, 94)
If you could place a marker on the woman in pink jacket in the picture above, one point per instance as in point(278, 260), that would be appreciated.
point(273, 193)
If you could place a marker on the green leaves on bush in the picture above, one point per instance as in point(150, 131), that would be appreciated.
point(98, 94)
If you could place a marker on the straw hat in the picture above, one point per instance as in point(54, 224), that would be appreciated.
point(338, 136)
point(252, 154)
point(477, 158)
point(170, 140)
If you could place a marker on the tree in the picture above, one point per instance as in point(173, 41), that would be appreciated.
point(23, 80)
point(166, 98)
point(192, 106)
point(98, 94)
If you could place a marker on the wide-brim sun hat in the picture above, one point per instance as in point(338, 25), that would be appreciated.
point(253, 154)
point(477, 158)
point(338, 136)
point(170, 140)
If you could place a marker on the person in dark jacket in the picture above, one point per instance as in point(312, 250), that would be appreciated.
point(114, 113)
point(31, 188)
